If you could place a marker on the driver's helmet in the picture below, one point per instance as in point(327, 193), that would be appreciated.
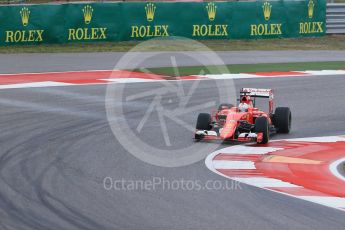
point(243, 107)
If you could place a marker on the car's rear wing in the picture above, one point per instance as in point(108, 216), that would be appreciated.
point(253, 92)
point(262, 93)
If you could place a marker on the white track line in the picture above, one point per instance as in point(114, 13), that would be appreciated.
point(128, 80)
point(319, 139)
point(71, 71)
point(265, 183)
point(334, 169)
point(223, 164)
point(325, 72)
point(243, 149)
point(34, 84)
point(334, 202)
point(141, 80)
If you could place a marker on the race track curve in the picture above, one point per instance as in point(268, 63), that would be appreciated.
point(57, 148)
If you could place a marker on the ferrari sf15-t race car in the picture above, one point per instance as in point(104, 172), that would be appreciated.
point(245, 122)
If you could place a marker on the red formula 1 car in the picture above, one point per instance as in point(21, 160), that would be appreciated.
point(246, 122)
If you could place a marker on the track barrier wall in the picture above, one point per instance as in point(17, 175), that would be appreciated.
point(94, 22)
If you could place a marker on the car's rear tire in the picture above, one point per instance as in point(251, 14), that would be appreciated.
point(204, 121)
point(228, 106)
point(262, 126)
point(282, 119)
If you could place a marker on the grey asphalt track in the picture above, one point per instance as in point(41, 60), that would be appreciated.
point(27, 63)
point(57, 148)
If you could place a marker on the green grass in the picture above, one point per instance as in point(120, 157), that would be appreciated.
point(329, 42)
point(246, 68)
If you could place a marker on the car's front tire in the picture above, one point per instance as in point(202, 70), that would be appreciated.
point(203, 123)
point(282, 119)
point(262, 126)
